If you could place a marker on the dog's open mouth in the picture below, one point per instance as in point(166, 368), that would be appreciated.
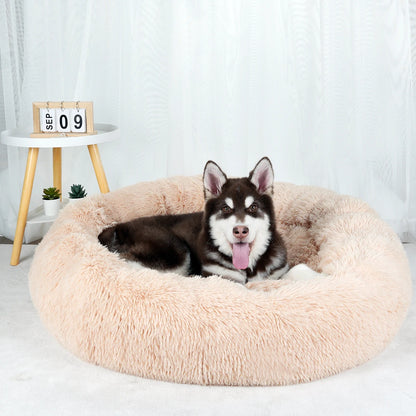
point(241, 253)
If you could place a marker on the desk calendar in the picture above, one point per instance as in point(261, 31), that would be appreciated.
point(64, 118)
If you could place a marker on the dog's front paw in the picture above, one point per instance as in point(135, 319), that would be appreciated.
point(300, 272)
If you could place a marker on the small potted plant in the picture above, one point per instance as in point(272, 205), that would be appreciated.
point(51, 201)
point(77, 192)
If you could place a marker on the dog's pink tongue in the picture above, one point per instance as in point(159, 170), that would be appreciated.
point(241, 251)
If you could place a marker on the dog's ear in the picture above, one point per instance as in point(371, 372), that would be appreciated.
point(262, 176)
point(214, 180)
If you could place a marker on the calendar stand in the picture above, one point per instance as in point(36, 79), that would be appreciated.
point(77, 105)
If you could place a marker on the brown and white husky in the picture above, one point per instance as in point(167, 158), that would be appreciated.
point(234, 237)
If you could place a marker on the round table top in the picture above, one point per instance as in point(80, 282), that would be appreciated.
point(21, 138)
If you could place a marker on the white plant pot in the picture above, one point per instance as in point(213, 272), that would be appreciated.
point(51, 207)
point(72, 200)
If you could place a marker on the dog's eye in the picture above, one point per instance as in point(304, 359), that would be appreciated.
point(226, 209)
point(253, 208)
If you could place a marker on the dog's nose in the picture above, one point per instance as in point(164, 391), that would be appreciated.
point(240, 232)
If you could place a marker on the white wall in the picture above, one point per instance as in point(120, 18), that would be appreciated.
point(324, 88)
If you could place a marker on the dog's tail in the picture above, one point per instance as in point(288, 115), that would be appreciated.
point(108, 238)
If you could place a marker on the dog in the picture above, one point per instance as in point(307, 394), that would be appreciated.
point(235, 237)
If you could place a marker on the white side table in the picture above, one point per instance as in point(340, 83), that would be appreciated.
point(21, 138)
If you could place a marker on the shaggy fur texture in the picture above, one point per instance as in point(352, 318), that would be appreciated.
point(213, 331)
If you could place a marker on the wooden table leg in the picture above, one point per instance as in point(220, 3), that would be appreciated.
point(98, 168)
point(57, 168)
point(32, 158)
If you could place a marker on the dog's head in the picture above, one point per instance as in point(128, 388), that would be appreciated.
point(239, 214)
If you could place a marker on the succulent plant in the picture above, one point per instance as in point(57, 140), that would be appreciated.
point(51, 193)
point(77, 191)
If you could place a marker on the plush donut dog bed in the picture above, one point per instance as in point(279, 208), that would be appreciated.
point(213, 331)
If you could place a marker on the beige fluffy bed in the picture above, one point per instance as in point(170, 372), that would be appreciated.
point(213, 331)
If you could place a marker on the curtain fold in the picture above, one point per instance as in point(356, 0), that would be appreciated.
point(324, 88)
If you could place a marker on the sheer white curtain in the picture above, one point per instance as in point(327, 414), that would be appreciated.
point(324, 88)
